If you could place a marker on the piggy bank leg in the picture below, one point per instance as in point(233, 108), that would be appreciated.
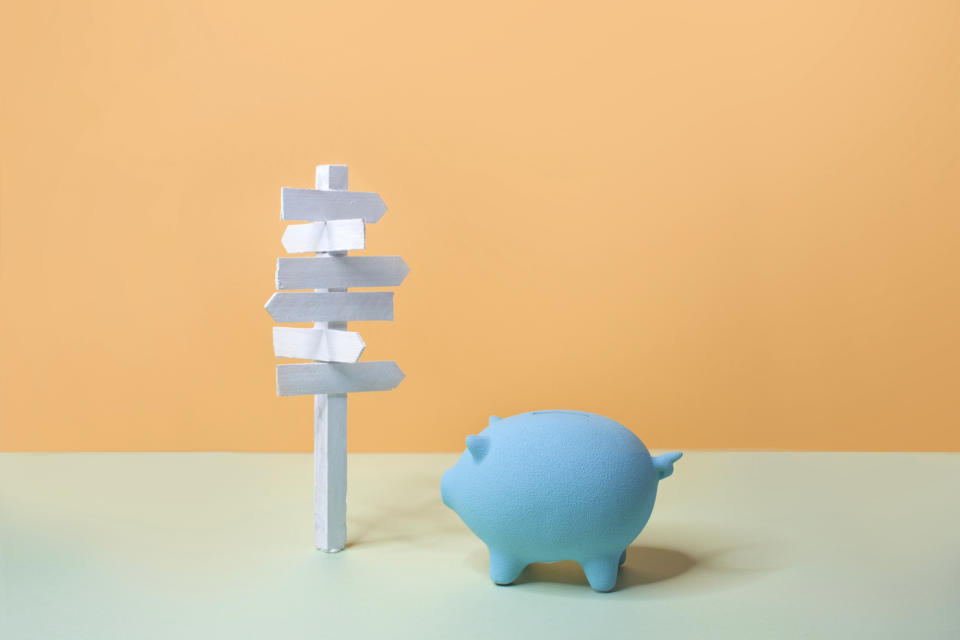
point(623, 557)
point(505, 569)
point(602, 572)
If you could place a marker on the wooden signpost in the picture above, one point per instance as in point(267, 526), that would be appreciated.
point(337, 224)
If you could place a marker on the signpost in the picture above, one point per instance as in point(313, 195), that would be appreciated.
point(337, 224)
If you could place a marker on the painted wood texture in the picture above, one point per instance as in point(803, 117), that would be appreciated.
point(333, 272)
point(326, 345)
point(330, 306)
point(330, 472)
point(317, 204)
point(336, 377)
point(331, 235)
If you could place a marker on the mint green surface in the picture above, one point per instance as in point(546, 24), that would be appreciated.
point(741, 545)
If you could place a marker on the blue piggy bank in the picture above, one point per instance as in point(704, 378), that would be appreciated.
point(556, 485)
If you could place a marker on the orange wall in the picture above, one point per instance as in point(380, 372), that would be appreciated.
point(727, 225)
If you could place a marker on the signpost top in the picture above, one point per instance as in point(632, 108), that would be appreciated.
point(332, 176)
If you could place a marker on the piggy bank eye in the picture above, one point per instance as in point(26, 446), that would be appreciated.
point(478, 446)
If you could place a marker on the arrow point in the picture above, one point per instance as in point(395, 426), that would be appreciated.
point(286, 239)
point(400, 373)
point(269, 304)
point(380, 210)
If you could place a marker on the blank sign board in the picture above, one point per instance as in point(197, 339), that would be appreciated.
point(330, 306)
point(332, 377)
point(340, 272)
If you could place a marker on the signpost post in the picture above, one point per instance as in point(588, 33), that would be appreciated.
point(337, 220)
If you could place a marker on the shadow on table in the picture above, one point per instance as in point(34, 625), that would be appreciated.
point(417, 523)
point(657, 570)
point(645, 565)
point(411, 513)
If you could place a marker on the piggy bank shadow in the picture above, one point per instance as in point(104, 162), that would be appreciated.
point(644, 565)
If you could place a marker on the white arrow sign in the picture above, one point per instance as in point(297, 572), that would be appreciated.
point(330, 306)
point(319, 204)
point(340, 272)
point(329, 345)
point(332, 235)
point(330, 378)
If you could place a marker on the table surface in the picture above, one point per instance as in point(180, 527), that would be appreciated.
point(219, 545)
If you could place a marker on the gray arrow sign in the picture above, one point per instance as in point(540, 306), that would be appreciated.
point(317, 204)
point(336, 377)
point(330, 307)
point(340, 272)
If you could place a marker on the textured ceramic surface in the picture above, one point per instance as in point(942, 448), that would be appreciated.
point(548, 486)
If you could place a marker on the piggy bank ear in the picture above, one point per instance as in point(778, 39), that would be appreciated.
point(478, 446)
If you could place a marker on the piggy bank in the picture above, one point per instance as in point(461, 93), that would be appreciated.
point(556, 485)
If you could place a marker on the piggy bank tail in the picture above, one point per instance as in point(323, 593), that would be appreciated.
point(664, 463)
